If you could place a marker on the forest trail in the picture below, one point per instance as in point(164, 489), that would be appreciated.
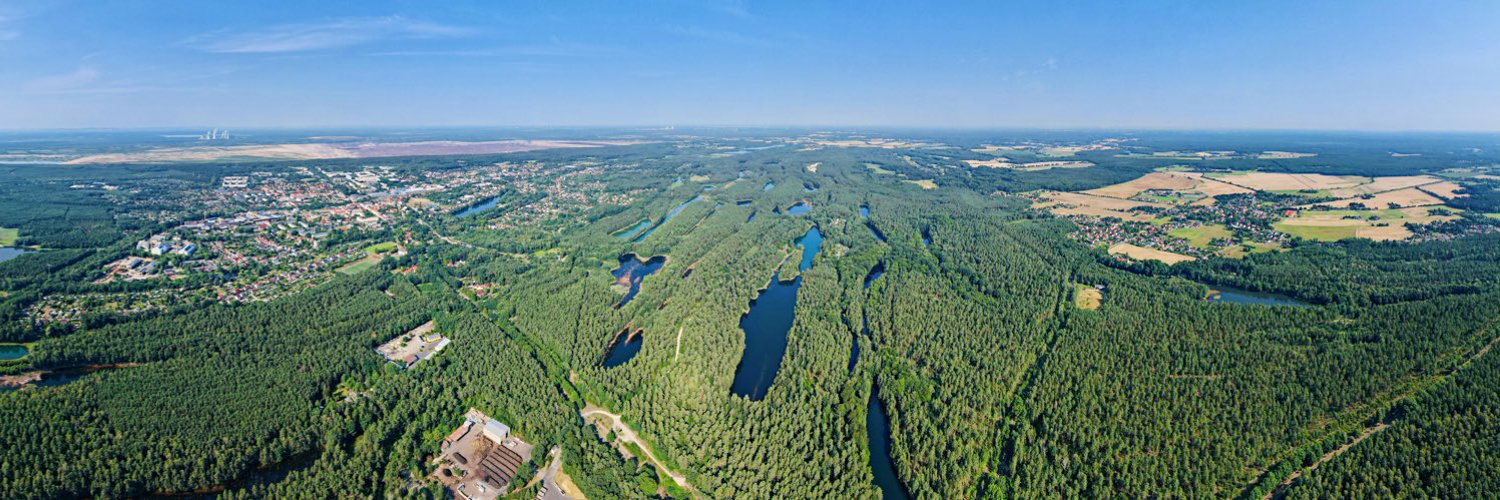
point(1280, 490)
point(679, 345)
point(1292, 478)
point(623, 432)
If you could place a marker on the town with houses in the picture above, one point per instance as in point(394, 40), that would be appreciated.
point(265, 234)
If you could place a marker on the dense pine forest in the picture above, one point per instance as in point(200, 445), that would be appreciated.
point(995, 383)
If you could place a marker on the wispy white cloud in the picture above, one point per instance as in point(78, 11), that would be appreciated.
point(338, 33)
point(553, 49)
point(721, 36)
point(71, 80)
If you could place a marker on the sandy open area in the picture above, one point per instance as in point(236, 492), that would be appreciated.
point(1143, 253)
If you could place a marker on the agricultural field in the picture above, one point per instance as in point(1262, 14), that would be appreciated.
point(1380, 225)
point(8, 236)
point(1066, 203)
point(1143, 253)
point(1171, 181)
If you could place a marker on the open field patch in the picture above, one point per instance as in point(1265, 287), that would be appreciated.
point(924, 183)
point(1087, 297)
point(1143, 253)
point(1201, 236)
point(8, 236)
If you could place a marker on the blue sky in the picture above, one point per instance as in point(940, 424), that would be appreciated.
point(1378, 65)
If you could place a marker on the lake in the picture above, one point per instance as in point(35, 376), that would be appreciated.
point(479, 207)
point(624, 347)
point(878, 425)
point(799, 208)
point(879, 235)
point(7, 253)
point(12, 351)
point(864, 210)
point(670, 213)
point(633, 271)
point(766, 326)
point(811, 243)
point(1242, 296)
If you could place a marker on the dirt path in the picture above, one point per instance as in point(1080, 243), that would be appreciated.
point(1292, 478)
point(679, 345)
point(1280, 489)
point(623, 432)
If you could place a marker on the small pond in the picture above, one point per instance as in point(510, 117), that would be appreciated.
point(7, 253)
point(625, 346)
point(480, 207)
point(12, 351)
point(801, 207)
point(1220, 293)
point(769, 186)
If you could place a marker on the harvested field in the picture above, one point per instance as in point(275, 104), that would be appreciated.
point(1268, 181)
point(1143, 253)
point(1174, 181)
point(924, 183)
point(1409, 197)
point(1446, 190)
point(1064, 203)
point(1382, 184)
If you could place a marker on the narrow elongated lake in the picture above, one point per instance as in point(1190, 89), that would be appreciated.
point(670, 214)
point(878, 425)
point(766, 326)
point(811, 243)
